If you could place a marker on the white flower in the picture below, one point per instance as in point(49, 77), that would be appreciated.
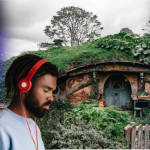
point(144, 45)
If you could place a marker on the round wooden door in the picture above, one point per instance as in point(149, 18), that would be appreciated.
point(117, 91)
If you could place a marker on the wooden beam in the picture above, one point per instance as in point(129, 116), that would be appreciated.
point(84, 83)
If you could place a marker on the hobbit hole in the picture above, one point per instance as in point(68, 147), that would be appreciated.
point(121, 78)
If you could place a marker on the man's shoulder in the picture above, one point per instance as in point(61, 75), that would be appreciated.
point(4, 117)
point(4, 120)
point(2, 113)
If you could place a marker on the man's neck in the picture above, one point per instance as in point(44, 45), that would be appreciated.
point(17, 108)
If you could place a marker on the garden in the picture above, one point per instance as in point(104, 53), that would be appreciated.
point(84, 125)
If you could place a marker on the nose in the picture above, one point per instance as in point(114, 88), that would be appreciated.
point(50, 97)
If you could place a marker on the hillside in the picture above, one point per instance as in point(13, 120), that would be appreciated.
point(118, 47)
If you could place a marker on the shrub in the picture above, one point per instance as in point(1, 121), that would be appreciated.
point(84, 126)
point(138, 47)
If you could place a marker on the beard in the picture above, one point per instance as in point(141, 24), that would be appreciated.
point(32, 105)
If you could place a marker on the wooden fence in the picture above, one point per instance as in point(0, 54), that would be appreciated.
point(138, 136)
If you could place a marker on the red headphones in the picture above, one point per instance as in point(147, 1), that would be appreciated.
point(24, 85)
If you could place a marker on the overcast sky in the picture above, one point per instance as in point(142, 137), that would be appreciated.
point(25, 20)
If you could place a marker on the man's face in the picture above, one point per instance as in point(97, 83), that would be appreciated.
point(40, 96)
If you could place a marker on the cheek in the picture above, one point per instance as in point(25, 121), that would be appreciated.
point(39, 94)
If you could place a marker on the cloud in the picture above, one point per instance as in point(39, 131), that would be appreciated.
point(25, 20)
point(32, 33)
point(26, 12)
point(16, 47)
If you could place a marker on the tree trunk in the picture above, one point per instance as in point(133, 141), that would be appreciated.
point(84, 83)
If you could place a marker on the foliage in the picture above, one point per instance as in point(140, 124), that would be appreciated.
point(58, 42)
point(81, 128)
point(46, 45)
point(136, 93)
point(146, 111)
point(95, 91)
point(144, 120)
point(3, 67)
point(93, 111)
point(74, 25)
point(146, 27)
point(127, 31)
point(61, 104)
point(139, 47)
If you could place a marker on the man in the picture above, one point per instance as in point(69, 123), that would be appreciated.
point(14, 132)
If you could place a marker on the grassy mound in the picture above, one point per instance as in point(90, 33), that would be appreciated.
point(118, 47)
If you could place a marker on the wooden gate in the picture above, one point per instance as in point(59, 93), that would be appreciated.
point(117, 91)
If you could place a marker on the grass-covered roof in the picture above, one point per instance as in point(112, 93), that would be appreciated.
point(118, 47)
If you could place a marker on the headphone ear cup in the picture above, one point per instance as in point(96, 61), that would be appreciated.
point(29, 86)
point(24, 85)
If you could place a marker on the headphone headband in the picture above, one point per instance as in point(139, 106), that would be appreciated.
point(25, 84)
point(35, 68)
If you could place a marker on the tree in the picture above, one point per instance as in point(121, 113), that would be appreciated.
point(128, 32)
point(74, 26)
point(58, 42)
point(146, 28)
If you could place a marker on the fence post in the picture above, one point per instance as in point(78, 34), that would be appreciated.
point(147, 143)
point(140, 134)
point(128, 133)
point(133, 136)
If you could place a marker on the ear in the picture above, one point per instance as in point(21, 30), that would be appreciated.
point(24, 94)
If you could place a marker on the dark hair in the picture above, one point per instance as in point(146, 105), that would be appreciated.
point(20, 68)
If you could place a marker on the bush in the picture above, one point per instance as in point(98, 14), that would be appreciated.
point(61, 104)
point(138, 47)
point(79, 135)
point(109, 117)
point(83, 126)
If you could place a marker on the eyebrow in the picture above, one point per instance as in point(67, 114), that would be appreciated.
point(48, 87)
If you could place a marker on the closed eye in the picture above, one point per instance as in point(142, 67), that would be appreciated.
point(45, 91)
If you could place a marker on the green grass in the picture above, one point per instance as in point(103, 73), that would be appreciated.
point(66, 57)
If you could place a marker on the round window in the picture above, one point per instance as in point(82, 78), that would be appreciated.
point(57, 91)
